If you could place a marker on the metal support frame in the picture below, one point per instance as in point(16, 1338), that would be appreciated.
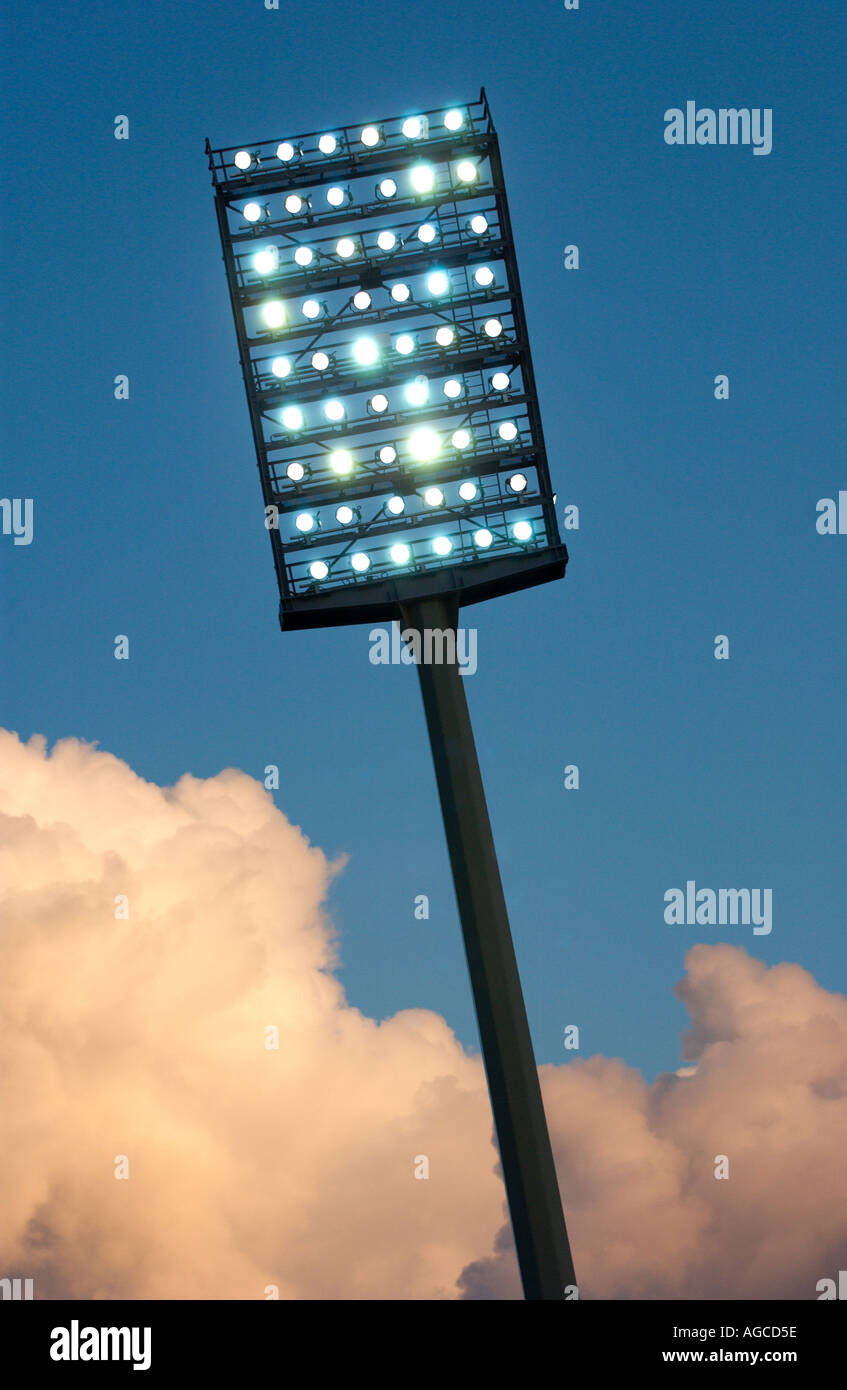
point(528, 1169)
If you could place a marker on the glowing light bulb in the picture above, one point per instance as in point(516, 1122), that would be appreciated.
point(292, 417)
point(266, 262)
point(424, 444)
point(281, 367)
point(422, 178)
point(417, 391)
point(318, 570)
point(341, 461)
point(274, 313)
point(243, 160)
point(468, 491)
point(365, 351)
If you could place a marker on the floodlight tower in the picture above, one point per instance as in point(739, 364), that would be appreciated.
point(384, 348)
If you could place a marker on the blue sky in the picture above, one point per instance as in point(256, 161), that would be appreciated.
point(697, 516)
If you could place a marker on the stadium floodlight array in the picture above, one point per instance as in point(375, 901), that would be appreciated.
point(383, 341)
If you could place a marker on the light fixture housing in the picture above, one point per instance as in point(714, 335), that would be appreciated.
point(400, 360)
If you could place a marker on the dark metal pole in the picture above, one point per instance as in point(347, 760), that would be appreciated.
point(531, 1187)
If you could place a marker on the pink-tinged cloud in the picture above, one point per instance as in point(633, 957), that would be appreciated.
point(647, 1216)
point(294, 1166)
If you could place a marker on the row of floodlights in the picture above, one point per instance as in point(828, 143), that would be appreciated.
point(424, 445)
point(422, 178)
point(416, 392)
point(434, 497)
point(366, 353)
point(438, 282)
point(268, 260)
point(438, 286)
point(366, 350)
point(401, 554)
point(414, 128)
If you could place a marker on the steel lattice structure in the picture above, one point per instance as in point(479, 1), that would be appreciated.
point(384, 348)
